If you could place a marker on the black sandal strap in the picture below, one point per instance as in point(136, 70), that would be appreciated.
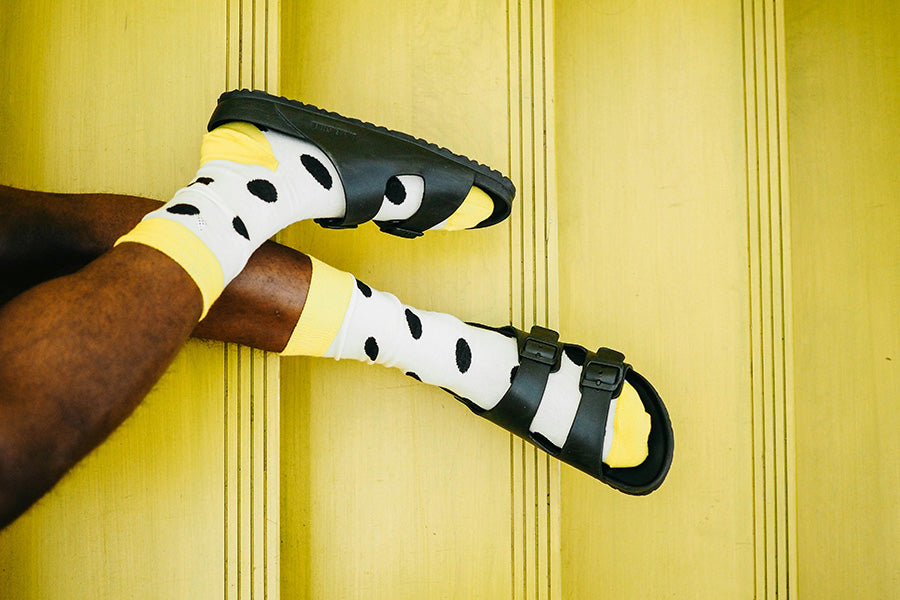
point(539, 355)
point(602, 378)
point(439, 202)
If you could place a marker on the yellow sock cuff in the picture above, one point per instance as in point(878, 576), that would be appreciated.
point(631, 428)
point(329, 296)
point(477, 207)
point(181, 245)
point(238, 142)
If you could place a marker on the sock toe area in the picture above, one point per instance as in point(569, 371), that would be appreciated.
point(476, 207)
point(631, 427)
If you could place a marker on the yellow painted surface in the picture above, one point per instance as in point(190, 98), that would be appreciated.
point(844, 98)
point(649, 143)
point(653, 245)
point(181, 501)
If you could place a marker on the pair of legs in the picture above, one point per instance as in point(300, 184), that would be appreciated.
point(87, 327)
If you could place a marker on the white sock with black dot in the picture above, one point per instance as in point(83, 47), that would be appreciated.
point(254, 183)
point(251, 184)
point(441, 350)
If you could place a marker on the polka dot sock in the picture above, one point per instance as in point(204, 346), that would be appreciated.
point(253, 183)
point(345, 318)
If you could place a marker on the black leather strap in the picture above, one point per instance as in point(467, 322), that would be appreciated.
point(539, 355)
point(602, 378)
point(441, 199)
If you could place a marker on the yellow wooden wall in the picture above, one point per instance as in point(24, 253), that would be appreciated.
point(709, 186)
point(181, 501)
point(844, 97)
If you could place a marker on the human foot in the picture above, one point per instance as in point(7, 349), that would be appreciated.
point(589, 409)
point(406, 185)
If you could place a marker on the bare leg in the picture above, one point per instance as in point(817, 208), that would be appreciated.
point(107, 331)
point(43, 236)
point(94, 310)
point(77, 354)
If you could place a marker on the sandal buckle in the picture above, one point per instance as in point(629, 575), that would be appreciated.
point(540, 351)
point(602, 376)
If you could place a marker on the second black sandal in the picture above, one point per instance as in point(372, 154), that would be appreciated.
point(603, 375)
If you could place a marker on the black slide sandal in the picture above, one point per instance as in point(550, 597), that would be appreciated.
point(602, 377)
point(367, 155)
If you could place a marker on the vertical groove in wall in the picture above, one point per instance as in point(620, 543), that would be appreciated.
point(232, 521)
point(535, 489)
point(251, 478)
point(770, 307)
point(226, 479)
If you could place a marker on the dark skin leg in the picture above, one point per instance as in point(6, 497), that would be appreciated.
point(106, 323)
point(43, 236)
point(77, 354)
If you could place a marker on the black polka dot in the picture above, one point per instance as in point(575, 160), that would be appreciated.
point(240, 227)
point(371, 348)
point(202, 180)
point(317, 170)
point(576, 354)
point(366, 290)
point(394, 191)
point(512, 374)
point(183, 209)
point(463, 355)
point(413, 375)
point(264, 190)
point(414, 323)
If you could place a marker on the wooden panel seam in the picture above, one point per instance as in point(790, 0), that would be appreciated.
point(252, 478)
point(768, 236)
point(534, 285)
